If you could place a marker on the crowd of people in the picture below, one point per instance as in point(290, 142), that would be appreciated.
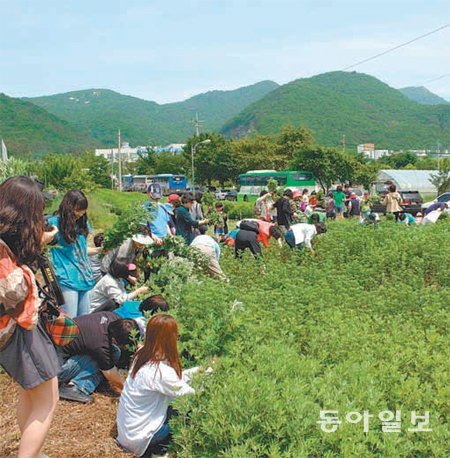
point(100, 293)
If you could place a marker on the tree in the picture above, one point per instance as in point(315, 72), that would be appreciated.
point(146, 163)
point(56, 167)
point(327, 165)
point(170, 163)
point(98, 169)
point(290, 140)
point(254, 153)
point(441, 179)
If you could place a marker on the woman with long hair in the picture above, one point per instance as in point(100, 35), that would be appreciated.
point(154, 380)
point(26, 352)
point(70, 255)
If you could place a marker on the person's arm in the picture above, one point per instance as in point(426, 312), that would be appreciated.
point(94, 250)
point(15, 285)
point(118, 295)
point(114, 379)
point(186, 216)
point(255, 247)
point(217, 250)
point(167, 382)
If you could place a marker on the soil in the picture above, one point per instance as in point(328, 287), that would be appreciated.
point(78, 430)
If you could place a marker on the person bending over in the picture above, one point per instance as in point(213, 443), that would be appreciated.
point(247, 238)
point(93, 354)
point(209, 247)
point(155, 379)
point(303, 234)
point(110, 293)
point(137, 310)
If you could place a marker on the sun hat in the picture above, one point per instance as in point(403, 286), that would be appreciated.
point(142, 239)
point(297, 194)
point(154, 189)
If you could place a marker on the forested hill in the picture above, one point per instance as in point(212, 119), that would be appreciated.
point(102, 112)
point(423, 95)
point(27, 128)
point(356, 105)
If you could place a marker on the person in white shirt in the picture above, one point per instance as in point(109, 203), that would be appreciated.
point(154, 380)
point(302, 234)
point(110, 293)
point(209, 247)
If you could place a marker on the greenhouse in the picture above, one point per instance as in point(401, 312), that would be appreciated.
point(407, 180)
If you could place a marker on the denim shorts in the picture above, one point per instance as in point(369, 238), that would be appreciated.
point(339, 210)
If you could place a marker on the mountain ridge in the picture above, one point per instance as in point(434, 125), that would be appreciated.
point(103, 111)
point(356, 105)
point(422, 95)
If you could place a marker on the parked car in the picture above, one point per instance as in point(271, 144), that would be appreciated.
point(445, 197)
point(231, 195)
point(220, 194)
point(412, 203)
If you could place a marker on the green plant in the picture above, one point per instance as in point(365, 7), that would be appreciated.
point(129, 223)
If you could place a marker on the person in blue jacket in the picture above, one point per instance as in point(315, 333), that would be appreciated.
point(70, 254)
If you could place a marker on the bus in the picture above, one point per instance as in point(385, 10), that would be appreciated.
point(255, 181)
point(171, 183)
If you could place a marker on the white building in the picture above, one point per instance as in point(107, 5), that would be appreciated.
point(127, 154)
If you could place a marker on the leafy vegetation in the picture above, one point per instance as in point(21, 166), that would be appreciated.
point(362, 326)
point(337, 103)
point(101, 112)
point(29, 129)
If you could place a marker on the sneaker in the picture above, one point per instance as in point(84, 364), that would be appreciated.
point(72, 393)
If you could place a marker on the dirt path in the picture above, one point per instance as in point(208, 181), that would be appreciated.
point(81, 431)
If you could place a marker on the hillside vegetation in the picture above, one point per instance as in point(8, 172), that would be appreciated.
point(27, 128)
point(361, 327)
point(102, 112)
point(337, 103)
point(423, 96)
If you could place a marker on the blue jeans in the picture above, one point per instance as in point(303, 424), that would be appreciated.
point(76, 302)
point(83, 371)
point(290, 240)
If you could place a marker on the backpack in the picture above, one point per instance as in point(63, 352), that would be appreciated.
point(249, 226)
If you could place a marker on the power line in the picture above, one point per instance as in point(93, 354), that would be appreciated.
point(396, 47)
point(437, 79)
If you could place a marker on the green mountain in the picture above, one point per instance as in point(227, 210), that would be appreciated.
point(27, 128)
point(363, 108)
point(102, 112)
point(422, 95)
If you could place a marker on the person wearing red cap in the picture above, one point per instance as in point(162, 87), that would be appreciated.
point(173, 201)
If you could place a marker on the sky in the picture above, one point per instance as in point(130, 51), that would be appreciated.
point(169, 50)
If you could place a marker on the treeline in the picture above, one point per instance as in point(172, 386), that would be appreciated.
point(221, 160)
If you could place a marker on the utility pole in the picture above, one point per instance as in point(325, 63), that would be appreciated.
point(120, 161)
point(343, 142)
point(438, 151)
point(112, 168)
point(197, 124)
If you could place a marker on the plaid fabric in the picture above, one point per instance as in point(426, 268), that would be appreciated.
point(62, 329)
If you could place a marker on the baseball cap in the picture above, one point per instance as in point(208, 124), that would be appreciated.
point(155, 190)
point(173, 198)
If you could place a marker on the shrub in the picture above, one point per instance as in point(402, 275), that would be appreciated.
point(361, 326)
